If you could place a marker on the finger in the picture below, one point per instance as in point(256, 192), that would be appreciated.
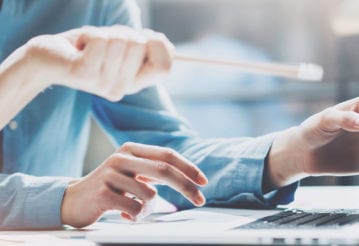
point(333, 120)
point(72, 35)
point(161, 171)
point(148, 180)
point(350, 105)
point(163, 38)
point(95, 49)
point(127, 216)
point(158, 60)
point(133, 61)
point(169, 156)
point(148, 207)
point(79, 37)
point(113, 63)
point(114, 201)
point(120, 182)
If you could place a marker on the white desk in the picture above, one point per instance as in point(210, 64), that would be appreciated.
point(306, 197)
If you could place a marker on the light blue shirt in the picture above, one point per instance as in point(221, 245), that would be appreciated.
point(47, 141)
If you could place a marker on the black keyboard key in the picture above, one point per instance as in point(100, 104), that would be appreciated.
point(292, 218)
point(298, 218)
point(277, 216)
point(311, 219)
point(329, 220)
point(344, 220)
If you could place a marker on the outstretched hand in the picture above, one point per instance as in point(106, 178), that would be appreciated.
point(327, 143)
point(330, 140)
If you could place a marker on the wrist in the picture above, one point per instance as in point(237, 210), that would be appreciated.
point(67, 206)
point(17, 84)
point(33, 68)
point(20, 69)
point(285, 159)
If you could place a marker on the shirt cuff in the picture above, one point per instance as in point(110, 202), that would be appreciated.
point(249, 175)
point(281, 196)
point(43, 202)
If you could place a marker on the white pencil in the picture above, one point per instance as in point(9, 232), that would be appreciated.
point(303, 71)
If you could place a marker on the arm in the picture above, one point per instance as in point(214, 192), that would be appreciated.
point(22, 201)
point(23, 196)
point(250, 172)
point(18, 85)
point(234, 167)
point(324, 144)
point(83, 59)
point(69, 59)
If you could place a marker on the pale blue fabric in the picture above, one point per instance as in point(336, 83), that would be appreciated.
point(53, 130)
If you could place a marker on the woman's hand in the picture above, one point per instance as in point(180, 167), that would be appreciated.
point(326, 143)
point(125, 175)
point(106, 61)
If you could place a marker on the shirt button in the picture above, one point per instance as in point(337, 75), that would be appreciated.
point(13, 125)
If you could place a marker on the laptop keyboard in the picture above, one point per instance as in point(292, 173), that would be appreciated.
point(295, 218)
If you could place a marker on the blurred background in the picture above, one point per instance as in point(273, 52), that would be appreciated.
point(222, 102)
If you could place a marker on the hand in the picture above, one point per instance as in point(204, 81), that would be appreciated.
point(107, 61)
point(327, 143)
point(125, 174)
point(331, 140)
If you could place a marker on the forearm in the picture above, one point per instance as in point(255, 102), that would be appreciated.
point(18, 84)
point(234, 168)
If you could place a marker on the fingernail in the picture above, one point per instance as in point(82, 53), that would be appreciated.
point(127, 216)
point(202, 180)
point(200, 200)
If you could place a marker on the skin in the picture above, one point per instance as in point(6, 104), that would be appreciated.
point(83, 59)
point(128, 171)
point(324, 144)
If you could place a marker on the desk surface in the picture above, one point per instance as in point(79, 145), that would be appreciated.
point(306, 197)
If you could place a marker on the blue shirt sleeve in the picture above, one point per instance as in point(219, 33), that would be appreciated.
point(234, 166)
point(29, 202)
point(122, 12)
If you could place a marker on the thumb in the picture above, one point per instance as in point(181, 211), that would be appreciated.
point(325, 126)
point(333, 120)
point(81, 36)
point(78, 37)
point(72, 36)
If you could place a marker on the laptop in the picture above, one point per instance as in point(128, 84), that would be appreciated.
point(298, 224)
